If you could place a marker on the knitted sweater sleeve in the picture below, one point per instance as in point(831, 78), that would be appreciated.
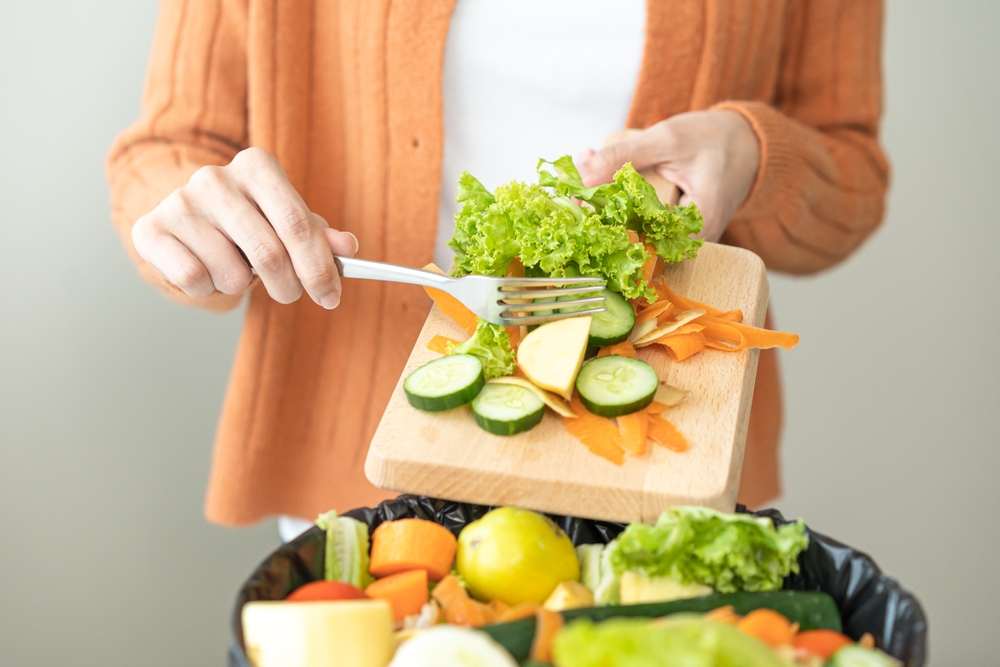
point(821, 187)
point(193, 114)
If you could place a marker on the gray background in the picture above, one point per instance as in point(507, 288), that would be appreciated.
point(109, 394)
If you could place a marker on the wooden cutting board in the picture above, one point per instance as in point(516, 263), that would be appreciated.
point(446, 455)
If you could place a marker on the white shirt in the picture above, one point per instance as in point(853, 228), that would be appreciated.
point(526, 79)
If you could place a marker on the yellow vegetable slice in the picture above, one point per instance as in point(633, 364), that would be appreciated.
point(551, 355)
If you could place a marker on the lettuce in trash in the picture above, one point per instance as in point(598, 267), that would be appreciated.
point(687, 642)
point(491, 344)
point(560, 228)
point(346, 549)
point(729, 552)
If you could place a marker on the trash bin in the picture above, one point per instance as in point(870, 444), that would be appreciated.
point(868, 600)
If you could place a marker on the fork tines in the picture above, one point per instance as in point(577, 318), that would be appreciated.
point(515, 301)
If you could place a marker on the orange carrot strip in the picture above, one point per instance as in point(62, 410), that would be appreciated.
point(749, 337)
point(458, 608)
point(633, 236)
point(497, 610)
point(682, 302)
point(682, 346)
point(656, 408)
point(440, 344)
point(654, 311)
point(451, 306)
point(664, 433)
point(523, 610)
point(634, 429)
point(515, 336)
point(725, 615)
point(768, 626)
point(732, 316)
point(597, 433)
point(547, 624)
point(622, 349)
point(406, 592)
point(411, 544)
point(649, 268)
point(720, 334)
point(515, 269)
point(823, 643)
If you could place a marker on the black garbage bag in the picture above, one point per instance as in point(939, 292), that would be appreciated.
point(868, 600)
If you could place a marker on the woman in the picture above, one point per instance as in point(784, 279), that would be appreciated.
point(277, 134)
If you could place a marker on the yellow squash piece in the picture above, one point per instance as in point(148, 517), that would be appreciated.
point(318, 634)
point(570, 595)
point(637, 588)
point(551, 355)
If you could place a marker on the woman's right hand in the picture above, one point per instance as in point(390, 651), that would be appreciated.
point(207, 235)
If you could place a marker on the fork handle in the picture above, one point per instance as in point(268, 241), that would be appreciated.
point(364, 269)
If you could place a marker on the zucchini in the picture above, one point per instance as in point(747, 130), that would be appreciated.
point(445, 383)
point(810, 609)
point(613, 325)
point(612, 386)
point(507, 409)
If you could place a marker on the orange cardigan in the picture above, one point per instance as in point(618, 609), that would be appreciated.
point(347, 95)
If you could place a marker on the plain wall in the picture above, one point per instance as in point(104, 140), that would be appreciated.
point(109, 394)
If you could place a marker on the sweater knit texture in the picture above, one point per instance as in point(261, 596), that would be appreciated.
point(347, 95)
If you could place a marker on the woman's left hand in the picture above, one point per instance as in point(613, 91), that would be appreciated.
point(712, 156)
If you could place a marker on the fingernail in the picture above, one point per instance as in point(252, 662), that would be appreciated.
point(357, 246)
point(330, 301)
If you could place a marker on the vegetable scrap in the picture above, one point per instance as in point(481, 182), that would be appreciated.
point(699, 587)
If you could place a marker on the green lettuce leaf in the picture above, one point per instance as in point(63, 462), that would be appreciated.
point(633, 642)
point(491, 344)
point(729, 552)
point(484, 240)
point(561, 228)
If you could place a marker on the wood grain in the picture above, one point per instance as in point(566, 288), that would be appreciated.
point(446, 455)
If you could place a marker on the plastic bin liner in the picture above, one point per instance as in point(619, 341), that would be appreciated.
point(868, 600)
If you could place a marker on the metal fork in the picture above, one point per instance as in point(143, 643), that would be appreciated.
point(496, 300)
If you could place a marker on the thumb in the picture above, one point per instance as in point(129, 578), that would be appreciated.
point(601, 166)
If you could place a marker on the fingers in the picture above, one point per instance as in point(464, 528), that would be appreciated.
point(171, 259)
point(642, 149)
point(299, 231)
point(344, 244)
point(202, 237)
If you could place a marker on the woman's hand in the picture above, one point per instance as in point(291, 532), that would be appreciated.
point(207, 235)
point(712, 156)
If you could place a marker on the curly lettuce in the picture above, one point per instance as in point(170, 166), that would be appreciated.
point(561, 228)
point(491, 344)
point(729, 552)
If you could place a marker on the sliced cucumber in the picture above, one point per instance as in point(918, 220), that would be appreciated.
point(613, 325)
point(612, 386)
point(445, 383)
point(544, 299)
point(506, 409)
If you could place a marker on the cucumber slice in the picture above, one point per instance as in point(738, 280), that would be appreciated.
point(506, 409)
point(544, 299)
point(612, 386)
point(613, 325)
point(445, 383)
